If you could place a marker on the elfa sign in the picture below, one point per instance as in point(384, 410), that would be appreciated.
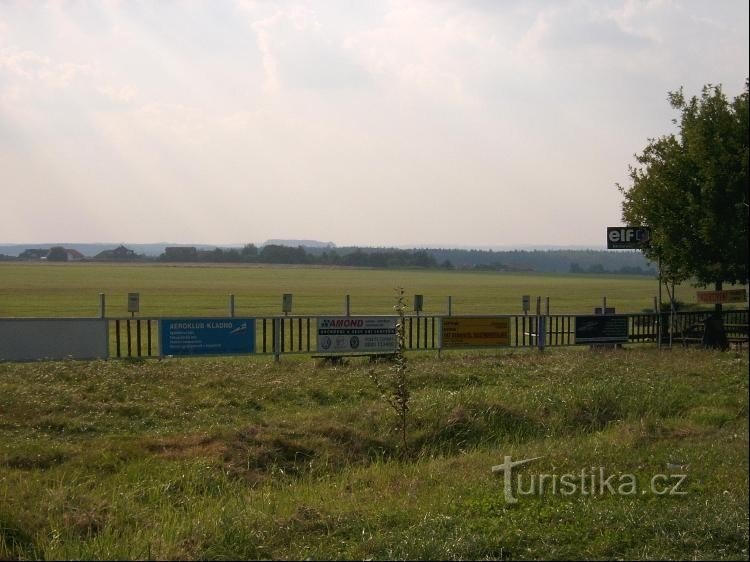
point(627, 237)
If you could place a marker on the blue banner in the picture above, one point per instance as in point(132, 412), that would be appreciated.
point(207, 336)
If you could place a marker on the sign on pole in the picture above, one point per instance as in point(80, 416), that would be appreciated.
point(722, 297)
point(207, 336)
point(467, 331)
point(602, 328)
point(349, 334)
point(627, 237)
point(133, 302)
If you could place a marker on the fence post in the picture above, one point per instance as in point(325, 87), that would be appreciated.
point(102, 305)
point(541, 332)
point(538, 319)
point(450, 305)
point(347, 305)
point(231, 306)
point(277, 343)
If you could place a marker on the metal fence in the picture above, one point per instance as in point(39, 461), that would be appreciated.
point(293, 334)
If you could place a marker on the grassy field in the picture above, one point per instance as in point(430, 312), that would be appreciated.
point(72, 290)
point(247, 458)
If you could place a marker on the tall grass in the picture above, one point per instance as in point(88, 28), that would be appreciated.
point(247, 458)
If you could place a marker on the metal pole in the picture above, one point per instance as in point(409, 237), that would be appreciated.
point(231, 306)
point(450, 305)
point(102, 305)
point(658, 308)
point(277, 339)
point(347, 305)
point(671, 315)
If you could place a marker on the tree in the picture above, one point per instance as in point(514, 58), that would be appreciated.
point(249, 252)
point(692, 190)
point(57, 253)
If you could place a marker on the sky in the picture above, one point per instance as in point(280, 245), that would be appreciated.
point(376, 123)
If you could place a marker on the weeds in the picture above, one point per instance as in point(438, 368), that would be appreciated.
point(394, 387)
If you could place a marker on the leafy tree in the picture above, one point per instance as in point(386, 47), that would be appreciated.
point(179, 254)
point(274, 253)
point(57, 253)
point(249, 252)
point(692, 190)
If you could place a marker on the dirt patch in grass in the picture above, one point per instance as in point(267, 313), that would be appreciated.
point(34, 459)
point(178, 447)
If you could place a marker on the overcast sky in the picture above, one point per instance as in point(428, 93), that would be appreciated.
point(477, 123)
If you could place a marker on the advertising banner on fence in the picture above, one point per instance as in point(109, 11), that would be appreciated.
point(602, 328)
point(30, 339)
point(207, 336)
point(349, 334)
point(466, 331)
point(722, 297)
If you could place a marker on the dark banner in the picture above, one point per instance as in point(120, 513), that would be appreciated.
point(603, 328)
point(627, 237)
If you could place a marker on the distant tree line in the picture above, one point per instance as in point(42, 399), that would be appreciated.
point(553, 261)
point(599, 269)
point(277, 254)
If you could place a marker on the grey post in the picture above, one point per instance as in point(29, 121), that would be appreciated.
point(541, 324)
point(102, 305)
point(277, 339)
point(231, 306)
point(347, 305)
point(450, 305)
point(538, 318)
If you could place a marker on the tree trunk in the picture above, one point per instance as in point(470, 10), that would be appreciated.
point(714, 335)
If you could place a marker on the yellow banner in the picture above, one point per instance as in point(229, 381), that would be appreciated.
point(464, 331)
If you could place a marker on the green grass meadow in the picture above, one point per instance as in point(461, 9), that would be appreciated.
point(168, 290)
point(247, 458)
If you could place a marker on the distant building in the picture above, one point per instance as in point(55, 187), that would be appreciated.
point(121, 253)
point(57, 253)
point(34, 254)
point(74, 255)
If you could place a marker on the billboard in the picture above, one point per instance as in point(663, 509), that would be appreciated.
point(627, 237)
point(722, 297)
point(467, 331)
point(602, 328)
point(207, 336)
point(29, 339)
point(349, 334)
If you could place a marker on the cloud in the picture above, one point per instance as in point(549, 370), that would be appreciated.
point(28, 65)
point(582, 26)
point(299, 52)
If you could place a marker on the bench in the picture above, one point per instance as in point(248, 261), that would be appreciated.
point(339, 358)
